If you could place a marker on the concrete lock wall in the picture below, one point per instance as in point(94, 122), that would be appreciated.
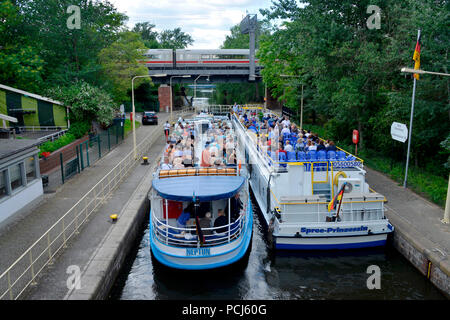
point(432, 264)
point(105, 266)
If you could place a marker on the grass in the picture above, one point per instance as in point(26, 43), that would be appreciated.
point(424, 183)
point(127, 126)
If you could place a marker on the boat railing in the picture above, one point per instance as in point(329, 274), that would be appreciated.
point(343, 160)
point(345, 215)
point(187, 237)
point(199, 171)
point(280, 204)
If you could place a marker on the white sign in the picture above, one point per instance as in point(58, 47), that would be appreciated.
point(122, 109)
point(399, 131)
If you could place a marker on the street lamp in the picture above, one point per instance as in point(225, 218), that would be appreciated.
point(446, 218)
point(133, 112)
point(195, 84)
point(170, 83)
point(301, 104)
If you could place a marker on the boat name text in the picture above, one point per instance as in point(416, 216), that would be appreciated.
point(198, 252)
point(332, 230)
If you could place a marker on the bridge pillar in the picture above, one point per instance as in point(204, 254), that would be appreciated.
point(164, 98)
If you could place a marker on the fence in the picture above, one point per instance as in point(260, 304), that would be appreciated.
point(23, 272)
point(82, 155)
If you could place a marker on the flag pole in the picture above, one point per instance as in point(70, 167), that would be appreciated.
point(410, 123)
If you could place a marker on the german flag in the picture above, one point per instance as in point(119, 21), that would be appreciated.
point(416, 58)
point(337, 197)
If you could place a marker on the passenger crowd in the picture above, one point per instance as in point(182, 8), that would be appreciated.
point(218, 151)
point(278, 134)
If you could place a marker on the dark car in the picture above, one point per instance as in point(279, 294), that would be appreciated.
point(149, 117)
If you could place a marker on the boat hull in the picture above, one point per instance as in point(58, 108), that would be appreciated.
point(203, 258)
point(295, 242)
point(330, 243)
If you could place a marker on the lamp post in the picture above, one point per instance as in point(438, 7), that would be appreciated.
point(133, 111)
point(195, 84)
point(301, 104)
point(170, 84)
point(446, 218)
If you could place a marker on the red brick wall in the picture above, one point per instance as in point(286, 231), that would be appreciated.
point(164, 97)
point(69, 151)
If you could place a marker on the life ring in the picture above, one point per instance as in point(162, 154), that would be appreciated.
point(336, 177)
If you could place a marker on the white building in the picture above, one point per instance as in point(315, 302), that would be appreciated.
point(20, 179)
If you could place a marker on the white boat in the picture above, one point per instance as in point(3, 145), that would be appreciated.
point(294, 192)
point(193, 192)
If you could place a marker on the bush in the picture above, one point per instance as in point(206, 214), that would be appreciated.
point(51, 146)
point(79, 129)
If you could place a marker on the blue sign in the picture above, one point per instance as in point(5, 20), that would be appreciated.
point(192, 252)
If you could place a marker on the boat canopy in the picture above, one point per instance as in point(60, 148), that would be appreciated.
point(205, 188)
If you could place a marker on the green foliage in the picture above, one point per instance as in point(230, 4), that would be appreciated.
point(127, 126)
point(121, 63)
point(51, 146)
point(79, 129)
point(174, 39)
point(86, 102)
point(20, 64)
point(352, 74)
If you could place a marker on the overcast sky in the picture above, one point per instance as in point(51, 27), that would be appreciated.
point(207, 21)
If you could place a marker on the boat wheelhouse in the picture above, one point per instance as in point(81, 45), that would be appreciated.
point(309, 200)
point(201, 215)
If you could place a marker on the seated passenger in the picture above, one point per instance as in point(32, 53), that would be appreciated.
point(178, 163)
point(288, 147)
point(166, 165)
point(183, 219)
point(312, 147)
point(285, 130)
point(321, 146)
point(332, 147)
point(221, 220)
point(206, 223)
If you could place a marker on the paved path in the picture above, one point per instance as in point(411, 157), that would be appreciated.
point(419, 233)
point(422, 217)
point(16, 237)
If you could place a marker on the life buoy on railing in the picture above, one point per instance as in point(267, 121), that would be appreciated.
point(336, 177)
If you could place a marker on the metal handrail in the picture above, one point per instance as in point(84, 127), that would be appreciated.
point(159, 225)
point(81, 212)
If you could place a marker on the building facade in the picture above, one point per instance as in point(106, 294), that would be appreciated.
point(20, 179)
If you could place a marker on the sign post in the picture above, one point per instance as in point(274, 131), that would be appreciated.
point(399, 132)
point(355, 139)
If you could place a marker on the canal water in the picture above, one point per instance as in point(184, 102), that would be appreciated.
point(266, 275)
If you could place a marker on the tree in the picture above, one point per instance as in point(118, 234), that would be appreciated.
point(352, 73)
point(20, 64)
point(174, 39)
point(120, 62)
point(87, 103)
point(69, 54)
point(149, 37)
